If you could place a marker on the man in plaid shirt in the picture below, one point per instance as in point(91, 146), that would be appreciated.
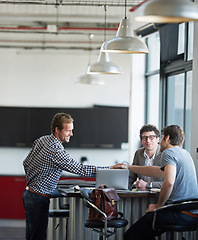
point(43, 167)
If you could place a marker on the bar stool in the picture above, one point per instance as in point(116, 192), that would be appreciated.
point(176, 228)
point(99, 226)
point(60, 213)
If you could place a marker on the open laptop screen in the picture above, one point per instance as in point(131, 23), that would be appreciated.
point(116, 178)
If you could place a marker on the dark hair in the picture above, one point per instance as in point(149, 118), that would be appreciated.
point(149, 128)
point(59, 119)
point(176, 134)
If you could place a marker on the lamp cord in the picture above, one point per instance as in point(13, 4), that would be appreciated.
point(125, 8)
point(91, 35)
point(57, 16)
point(105, 26)
point(89, 49)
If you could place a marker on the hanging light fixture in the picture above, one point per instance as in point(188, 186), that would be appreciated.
point(104, 64)
point(124, 42)
point(89, 79)
point(167, 11)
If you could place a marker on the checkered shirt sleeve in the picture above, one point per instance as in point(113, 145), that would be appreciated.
point(46, 161)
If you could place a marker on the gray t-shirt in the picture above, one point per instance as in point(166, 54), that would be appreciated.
point(185, 186)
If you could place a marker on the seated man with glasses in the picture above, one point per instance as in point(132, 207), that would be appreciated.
point(148, 155)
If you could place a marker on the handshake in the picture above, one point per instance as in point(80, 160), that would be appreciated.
point(119, 166)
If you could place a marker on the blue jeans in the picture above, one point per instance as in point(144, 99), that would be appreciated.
point(37, 213)
point(142, 229)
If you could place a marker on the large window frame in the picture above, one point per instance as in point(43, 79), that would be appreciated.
point(181, 65)
point(173, 71)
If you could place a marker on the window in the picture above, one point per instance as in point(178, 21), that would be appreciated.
point(179, 103)
point(190, 40)
point(153, 99)
point(178, 84)
point(169, 82)
point(181, 39)
point(153, 60)
point(188, 110)
point(175, 100)
point(153, 79)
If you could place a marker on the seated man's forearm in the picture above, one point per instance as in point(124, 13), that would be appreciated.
point(151, 171)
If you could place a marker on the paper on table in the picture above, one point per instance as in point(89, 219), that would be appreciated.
point(139, 191)
point(155, 189)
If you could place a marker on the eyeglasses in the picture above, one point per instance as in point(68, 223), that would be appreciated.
point(151, 137)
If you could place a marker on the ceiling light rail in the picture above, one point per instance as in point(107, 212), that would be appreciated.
point(115, 3)
point(45, 48)
point(41, 31)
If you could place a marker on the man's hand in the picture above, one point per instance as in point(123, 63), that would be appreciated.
point(152, 208)
point(141, 184)
point(119, 166)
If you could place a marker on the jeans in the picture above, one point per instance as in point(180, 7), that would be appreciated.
point(142, 229)
point(37, 213)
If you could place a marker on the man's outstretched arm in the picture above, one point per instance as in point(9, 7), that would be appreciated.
point(151, 171)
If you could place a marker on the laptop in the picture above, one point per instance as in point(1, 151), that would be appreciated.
point(116, 178)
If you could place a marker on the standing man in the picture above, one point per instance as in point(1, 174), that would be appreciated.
point(43, 167)
point(149, 155)
point(180, 183)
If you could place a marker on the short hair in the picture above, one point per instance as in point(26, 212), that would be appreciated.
point(59, 119)
point(149, 128)
point(176, 134)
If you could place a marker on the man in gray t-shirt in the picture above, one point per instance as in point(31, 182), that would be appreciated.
point(180, 183)
point(185, 185)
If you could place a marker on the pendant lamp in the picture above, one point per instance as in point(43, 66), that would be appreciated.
point(104, 64)
point(167, 11)
point(124, 42)
point(89, 79)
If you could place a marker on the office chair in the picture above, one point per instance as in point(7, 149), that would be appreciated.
point(99, 226)
point(186, 205)
point(60, 213)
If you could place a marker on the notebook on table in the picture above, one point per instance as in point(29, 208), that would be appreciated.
point(116, 178)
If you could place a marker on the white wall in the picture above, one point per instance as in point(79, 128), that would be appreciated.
point(11, 158)
point(46, 79)
point(137, 100)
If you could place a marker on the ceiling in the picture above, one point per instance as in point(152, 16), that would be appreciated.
point(60, 24)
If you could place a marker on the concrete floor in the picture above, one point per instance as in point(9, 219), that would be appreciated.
point(12, 233)
point(12, 229)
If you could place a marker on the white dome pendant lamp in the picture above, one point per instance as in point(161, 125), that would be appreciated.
point(167, 11)
point(124, 42)
point(86, 78)
point(89, 79)
point(104, 64)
